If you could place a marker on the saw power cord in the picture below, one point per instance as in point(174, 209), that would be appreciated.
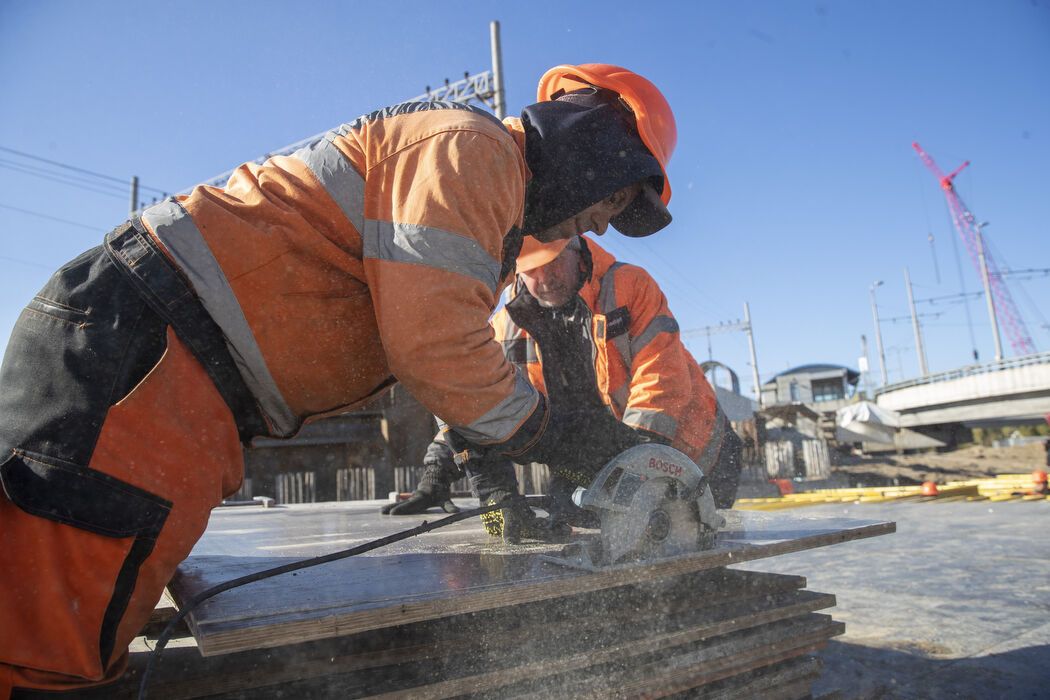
point(192, 605)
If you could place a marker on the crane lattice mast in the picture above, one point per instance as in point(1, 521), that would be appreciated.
point(966, 224)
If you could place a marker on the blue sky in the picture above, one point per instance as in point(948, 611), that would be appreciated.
point(795, 185)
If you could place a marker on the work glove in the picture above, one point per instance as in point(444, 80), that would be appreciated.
point(725, 475)
point(576, 445)
point(516, 521)
point(435, 487)
point(562, 509)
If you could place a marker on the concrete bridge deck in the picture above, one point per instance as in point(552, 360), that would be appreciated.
point(1015, 390)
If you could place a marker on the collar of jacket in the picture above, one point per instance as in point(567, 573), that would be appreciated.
point(601, 261)
point(525, 310)
point(516, 129)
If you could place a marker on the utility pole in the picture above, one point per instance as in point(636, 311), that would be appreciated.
point(134, 194)
point(754, 357)
point(723, 327)
point(915, 326)
point(878, 331)
point(499, 103)
point(865, 367)
point(988, 291)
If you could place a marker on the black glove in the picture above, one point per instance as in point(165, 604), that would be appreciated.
point(563, 510)
point(491, 473)
point(577, 444)
point(516, 521)
point(421, 501)
point(725, 475)
point(435, 487)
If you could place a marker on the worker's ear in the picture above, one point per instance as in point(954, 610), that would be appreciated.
point(622, 197)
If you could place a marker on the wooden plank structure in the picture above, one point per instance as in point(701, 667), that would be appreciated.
point(451, 614)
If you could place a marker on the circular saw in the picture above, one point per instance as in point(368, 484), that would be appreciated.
point(652, 502)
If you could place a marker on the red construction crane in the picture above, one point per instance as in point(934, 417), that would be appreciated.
point(966, 225)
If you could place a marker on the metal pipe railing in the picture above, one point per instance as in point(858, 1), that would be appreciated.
point(969, 371)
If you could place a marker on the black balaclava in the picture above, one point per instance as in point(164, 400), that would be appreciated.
point(581, 148)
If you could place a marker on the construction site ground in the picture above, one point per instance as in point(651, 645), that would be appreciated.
point(955, 604)
point(968, 462)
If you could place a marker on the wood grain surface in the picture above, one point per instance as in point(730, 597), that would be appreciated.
point(453, 571)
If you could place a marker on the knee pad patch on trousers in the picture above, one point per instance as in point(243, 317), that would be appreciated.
point(86, 499)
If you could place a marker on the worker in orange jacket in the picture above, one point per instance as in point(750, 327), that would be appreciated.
point(304, 287)
point(599, 334)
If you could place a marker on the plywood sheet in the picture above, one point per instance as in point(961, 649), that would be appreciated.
point(509, 662)
point(452, 571)
point(557, 660)
point(787, 679)
point(677, 669)
point(717, 601)
point(544, 644)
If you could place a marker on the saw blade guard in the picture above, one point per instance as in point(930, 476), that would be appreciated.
point(616, 485)
point(653, 501)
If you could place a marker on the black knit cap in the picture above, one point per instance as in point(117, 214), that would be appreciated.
point(581, 148)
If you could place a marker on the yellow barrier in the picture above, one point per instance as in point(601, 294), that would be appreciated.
point(1005, 488)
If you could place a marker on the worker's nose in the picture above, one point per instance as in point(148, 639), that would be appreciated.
point(541, 274)
point(599, 224)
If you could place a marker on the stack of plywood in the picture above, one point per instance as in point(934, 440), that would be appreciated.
point(452, 614)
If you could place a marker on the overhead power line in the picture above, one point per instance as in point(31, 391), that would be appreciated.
point(902, 319)
point(95, 187)
point(61, 176)
point(52, 218)
point(951, 297)
point(74, 168)
point(673, 277)
point(30, 263)
point(1027, 273)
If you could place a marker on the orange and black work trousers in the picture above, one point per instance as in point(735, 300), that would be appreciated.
point(115, 444)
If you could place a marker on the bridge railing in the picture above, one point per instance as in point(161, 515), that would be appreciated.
point(969, 371)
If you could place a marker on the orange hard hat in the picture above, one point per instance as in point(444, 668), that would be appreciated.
point(534, 254)
point(655, 120)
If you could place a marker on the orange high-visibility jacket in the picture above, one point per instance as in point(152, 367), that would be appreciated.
point(372, 256)
point(376, 253)
point(645, 374)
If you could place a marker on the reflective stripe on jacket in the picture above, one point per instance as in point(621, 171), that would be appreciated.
point(644, 372)
point(375, 253)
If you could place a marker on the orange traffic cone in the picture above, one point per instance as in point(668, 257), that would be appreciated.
point(929, 488)
point(1039, 481)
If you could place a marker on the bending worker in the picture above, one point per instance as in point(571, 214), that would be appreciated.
point(598, 335)
point(304, 287)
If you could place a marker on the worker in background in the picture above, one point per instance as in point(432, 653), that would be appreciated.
point(1046, 443)
point(598, 335)
point(304, 287)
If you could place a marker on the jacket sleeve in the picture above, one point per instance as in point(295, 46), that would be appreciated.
point(669, 395)
point(433, 241)
point(660, 381)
